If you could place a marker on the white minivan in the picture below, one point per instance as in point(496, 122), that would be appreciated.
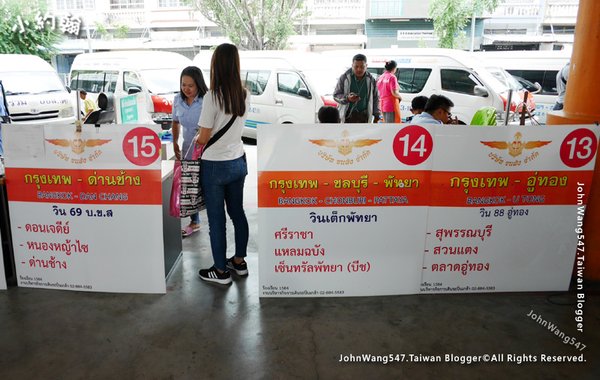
point(280, 93)
point(149, 79)
point(34, 92)
point(455, 74)
point(536, 70)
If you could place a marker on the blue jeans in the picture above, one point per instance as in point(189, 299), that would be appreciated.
point(223, 185)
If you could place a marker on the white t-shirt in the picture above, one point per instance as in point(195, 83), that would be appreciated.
point(229, 146)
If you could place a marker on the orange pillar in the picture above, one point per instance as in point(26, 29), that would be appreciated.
point(582, 106)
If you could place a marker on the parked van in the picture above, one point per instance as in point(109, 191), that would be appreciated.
point(34, 92)
point(453, 73)
point(152, 77)
point(280, 93)
point(533, 67)
point(319, 70)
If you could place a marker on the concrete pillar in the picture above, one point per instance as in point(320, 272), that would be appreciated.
point(582, 106)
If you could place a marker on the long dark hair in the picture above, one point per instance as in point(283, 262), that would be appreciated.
point(196, 74)
point(390, 65)
point(225, 80)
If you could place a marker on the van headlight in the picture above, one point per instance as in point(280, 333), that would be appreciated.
point(66, 112)
point(162, 118)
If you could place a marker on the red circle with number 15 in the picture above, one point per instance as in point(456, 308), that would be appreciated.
point(413, 145)
point(578, 148)
point(141, 146)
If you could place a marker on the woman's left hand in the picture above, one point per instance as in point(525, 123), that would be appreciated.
point(195, 140)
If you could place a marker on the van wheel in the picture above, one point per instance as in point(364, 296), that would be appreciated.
point(287, 122)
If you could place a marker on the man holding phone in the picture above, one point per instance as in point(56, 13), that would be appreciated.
point(356, 92)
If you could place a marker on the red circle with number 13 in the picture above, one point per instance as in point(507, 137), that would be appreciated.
point(141, 146)
point(413, 145)
point(578, 148)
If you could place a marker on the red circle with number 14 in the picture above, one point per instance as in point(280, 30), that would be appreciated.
point(413, 145)
point(578, 148)
point(141, 146)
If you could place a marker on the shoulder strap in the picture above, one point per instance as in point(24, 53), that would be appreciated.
point(220, 133)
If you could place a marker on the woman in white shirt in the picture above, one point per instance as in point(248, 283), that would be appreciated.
point(224, 166)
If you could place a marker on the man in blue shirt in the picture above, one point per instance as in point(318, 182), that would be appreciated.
point(437, 111)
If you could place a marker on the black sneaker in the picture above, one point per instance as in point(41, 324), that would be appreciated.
point(240, 269)
point(211, 274)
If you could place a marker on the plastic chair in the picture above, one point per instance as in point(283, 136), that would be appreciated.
point(106, 113)
point(484, 116)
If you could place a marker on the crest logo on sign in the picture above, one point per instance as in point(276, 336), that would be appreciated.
point(515, 149)
point(344, 146)
point(77, 145)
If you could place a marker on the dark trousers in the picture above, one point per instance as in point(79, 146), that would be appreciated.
point(357, 117)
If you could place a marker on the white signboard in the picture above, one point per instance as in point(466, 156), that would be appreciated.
point(338, 213)
point(504, 210)
point(86, 207)
point(355, 210)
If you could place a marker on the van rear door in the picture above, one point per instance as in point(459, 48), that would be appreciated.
point(294, 101)
point(261, 86)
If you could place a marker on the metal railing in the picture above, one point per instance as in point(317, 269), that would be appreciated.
point(561, 13)
point(338, 10)
point(516, 10)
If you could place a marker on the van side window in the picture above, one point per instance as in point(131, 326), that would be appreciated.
point(546, 78)
point(94, 81)
point(131, 79)
point(376, 71)
point(255, 81)
point(412, 81)
point(290, 83)
point(460, 81)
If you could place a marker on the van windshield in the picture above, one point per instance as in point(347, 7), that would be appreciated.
point(491, 80)
point(35, 82)
point(323, 80)
point(507, 79)
point(162, 81)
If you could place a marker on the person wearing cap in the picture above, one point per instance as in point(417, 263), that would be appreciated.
point(88, 104)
